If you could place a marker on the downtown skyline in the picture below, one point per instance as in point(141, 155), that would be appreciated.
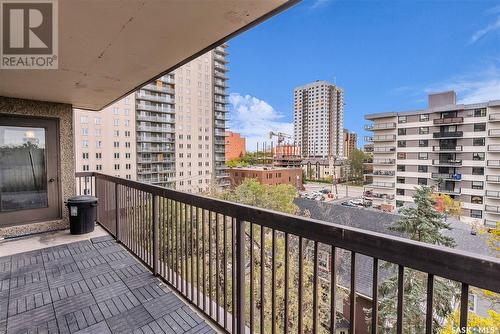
point(441, 46)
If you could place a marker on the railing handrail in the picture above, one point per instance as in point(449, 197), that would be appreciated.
point(434, 259)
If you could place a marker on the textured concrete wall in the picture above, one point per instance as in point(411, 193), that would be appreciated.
point(62, 112)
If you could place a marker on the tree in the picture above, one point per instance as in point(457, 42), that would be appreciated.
point(422, 223)
point(279, 198)
point(356, 161)
point(448, 205)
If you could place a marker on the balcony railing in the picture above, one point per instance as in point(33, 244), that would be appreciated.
point(440, 162)
point(385, 149)
point(448, 134)
point(492, 209)
point(494, 148)
point(446, 176)
point(495, 117)
point(380, 185)
point(448, 120)
point(493, 178)
point(454, 191)
point(492, 193)
point(493, 163)
point(210, 252)
point(383, 173)
point(494, 133)
point(369, 194)
point(380, 126)
point(384, 138)
point(384, 161)
point(457, 148)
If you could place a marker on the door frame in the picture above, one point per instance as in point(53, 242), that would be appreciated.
point(52, 160)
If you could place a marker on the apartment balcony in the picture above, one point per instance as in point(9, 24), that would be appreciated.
point(493, 194)
point(221, 108)
point(155, 170)
point(450, 134)
point(493, 178)
point(493, 148)
point(221, 67)
point(156, 129)
point(155, 160)
point(222, 175)
point(380, 126)
point(168, 79)
point(493, 163)
point(141, 106)
point(494, 133)
point(494, 117)
point(368, 148)
point(222, 92)
point(372, 195)
point(383, 173)
point(154, 139)
point(155, 149)
point(162, 241)
point(219, 142)
point(220, 58)
point(384, 161)
point(220, 116)
point(457, 148)
point(161, 89)
point(446, 176)
point(384, 149)
point(381, 138)
point(219, 132)
point(448, 120)
point(380, 185)
point(155, 98)
point(449, 191)
point(492, 209)
point(220, 79)
point(219, 99)
point(450, 163)
point(490, 223)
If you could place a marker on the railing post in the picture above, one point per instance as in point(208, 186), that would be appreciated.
point(117, 214)
point(240, 277)
point(156, 233)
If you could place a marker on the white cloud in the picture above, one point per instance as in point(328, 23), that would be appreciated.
point(254, 118)
point(319, 3)
point(492, 27)
point(481, 86)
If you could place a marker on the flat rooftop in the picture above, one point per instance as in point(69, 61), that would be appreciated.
point(264, 168)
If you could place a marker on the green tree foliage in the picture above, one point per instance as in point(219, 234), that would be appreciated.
point(422, 223)
point(356, 160)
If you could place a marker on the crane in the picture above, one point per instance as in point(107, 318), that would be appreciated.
point(281, 136)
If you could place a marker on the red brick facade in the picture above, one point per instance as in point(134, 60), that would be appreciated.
point(267, 175)
point(235, 145)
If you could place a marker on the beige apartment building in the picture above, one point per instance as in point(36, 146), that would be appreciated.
point(350, 142)
point(319, 120)
point(105, 140)
point(455, 147)
point(171, 132)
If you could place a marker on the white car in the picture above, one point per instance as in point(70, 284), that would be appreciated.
point(356, 201)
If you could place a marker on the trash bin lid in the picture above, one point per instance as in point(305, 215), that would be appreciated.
point(82, 199)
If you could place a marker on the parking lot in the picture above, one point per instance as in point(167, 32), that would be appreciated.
point(340, 193)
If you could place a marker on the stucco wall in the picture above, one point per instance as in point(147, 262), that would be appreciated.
point(62, 112)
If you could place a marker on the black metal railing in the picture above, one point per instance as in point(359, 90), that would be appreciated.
point(448, 134)
point(240, 265)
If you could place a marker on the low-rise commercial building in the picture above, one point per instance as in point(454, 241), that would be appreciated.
point(266, 175)
point(235, 145)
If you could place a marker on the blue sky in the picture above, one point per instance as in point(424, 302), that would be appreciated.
point(387, 55)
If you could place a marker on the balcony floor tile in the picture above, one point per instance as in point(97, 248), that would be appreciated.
point(89, 286)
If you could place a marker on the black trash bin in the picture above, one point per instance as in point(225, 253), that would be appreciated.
point(82, 214)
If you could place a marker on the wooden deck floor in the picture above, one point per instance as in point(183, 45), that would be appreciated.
point(91, 286)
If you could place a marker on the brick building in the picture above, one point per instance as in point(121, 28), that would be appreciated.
point(235, 145)
point(266, 175)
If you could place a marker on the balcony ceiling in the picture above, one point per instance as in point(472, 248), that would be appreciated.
point(107, 49)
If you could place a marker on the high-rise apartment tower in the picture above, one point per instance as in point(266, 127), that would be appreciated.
point(319, 120)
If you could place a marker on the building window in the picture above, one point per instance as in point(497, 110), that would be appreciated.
point(476, 199)
point(423, 143)
point(480, 112)
point(477, 185)
point(401, 168)
point(85, 167)
point(98, 120)
point(476, 213)
point(85, 131)
point(98, 144)
point(424, 117)
point(478, 156)
point(85, 155)
point(401, 155)
point(478, 141)
point(116, 122)
point(116, 144)
point(422, 181)
point(117, 166)
point(116, 155)
point(478, 127)
point(84, 119)
point(423, 169)
point(402, 119)
point(400, 192)
point(423, 130)
point(85, 143)
point(400, 179)
point(116, 133)
point(401, 132)
point(401, 143)
point(98, 155)
point(98, 167)
point(477, 170)
point(423, 156)
point(127, 155)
